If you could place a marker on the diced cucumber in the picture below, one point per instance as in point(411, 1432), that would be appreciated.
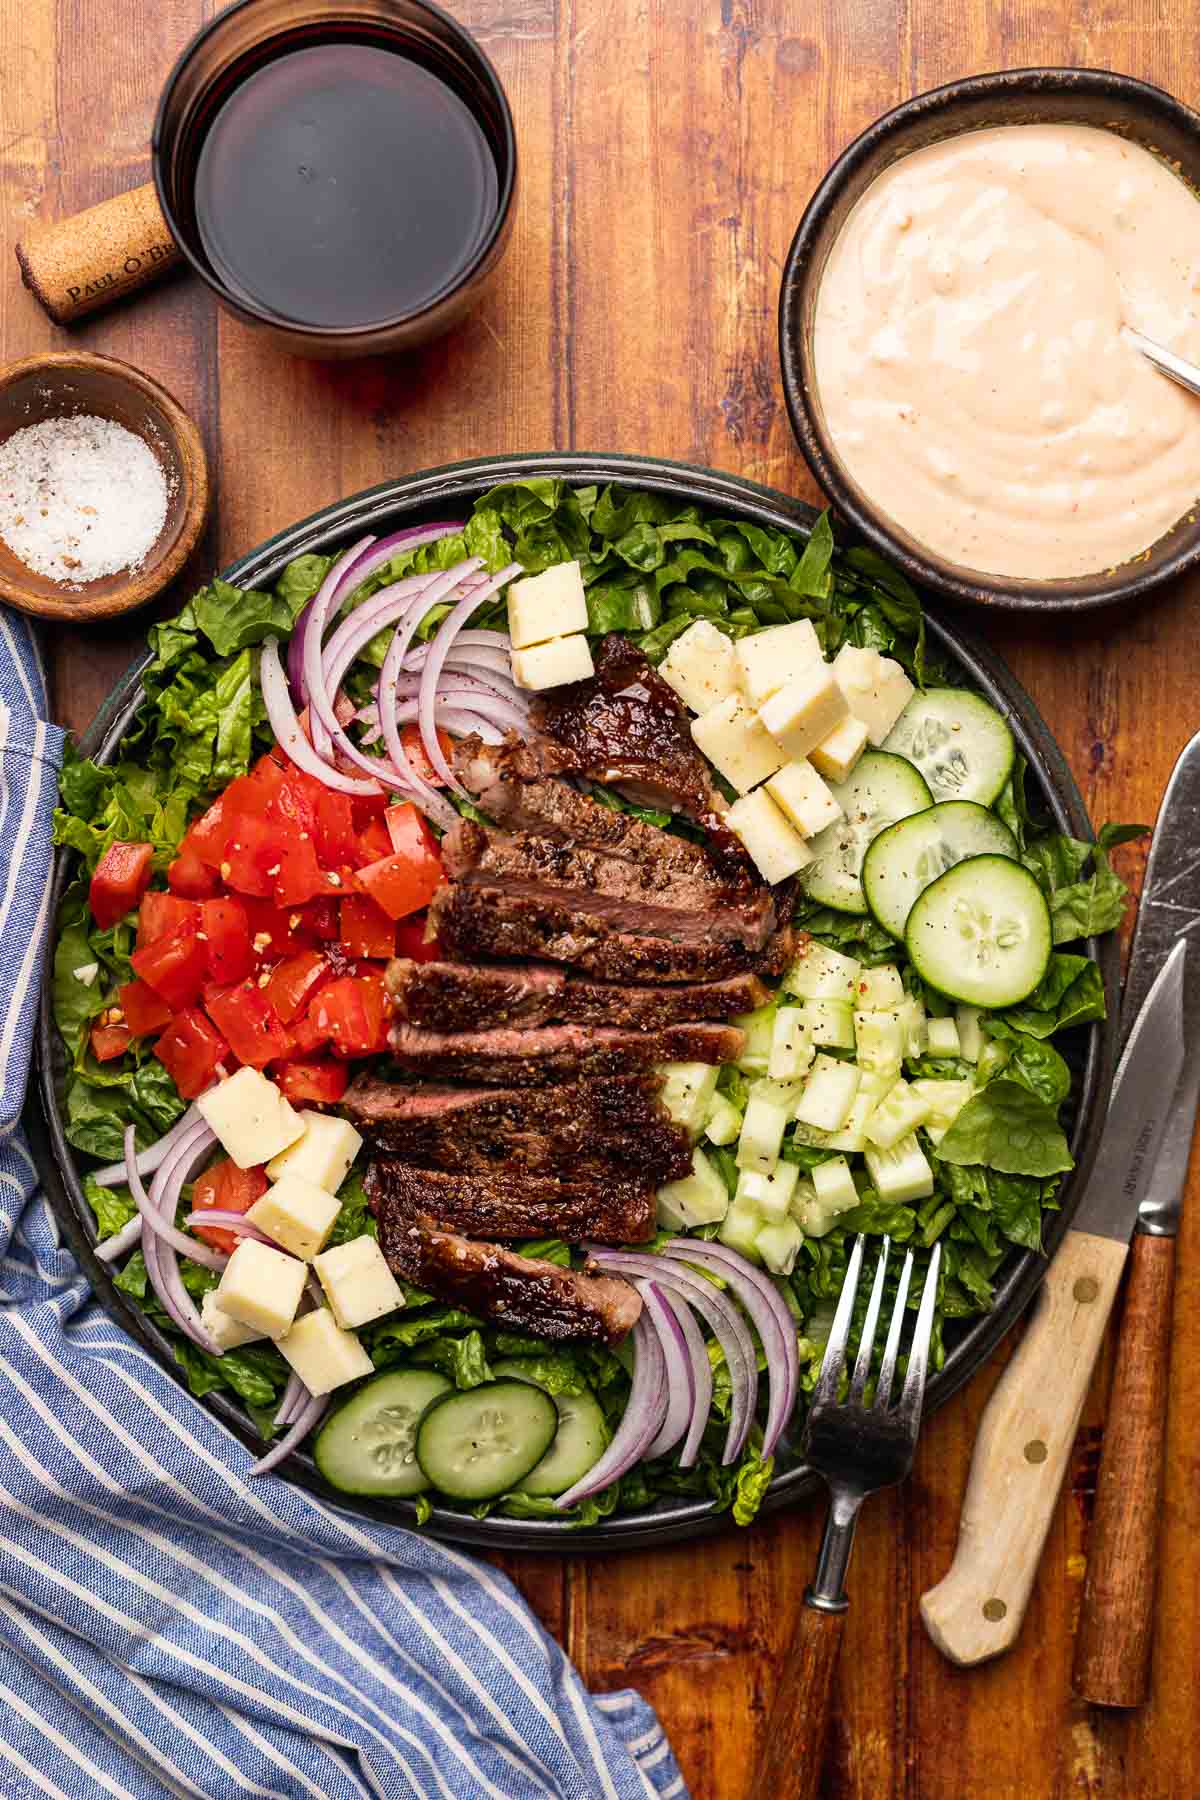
point(770, 1195)
point(879, 990)
point(791, 1043)
point(580, 1441)
point(828, 1094)
point(368, 1445)
point(970, 1033)
point(960, 744)
point(829, 1022)
point(945, 1100)
point(758, 1028)
point(852, 1135)
point(833, 1185)
point(943, 1038)
point(819, 973)
point(900, 1111)
point(981, 933)
point(768, 1114)
point(483, 1441)
point(914, 1025)
point(739, 1229)
point(700, 1198)
point(881, 790)
point(777, 1244)
point(901, 1174)
point(724, 1121)
point(687, 1093)
point(903, 860)
point(879, 1042)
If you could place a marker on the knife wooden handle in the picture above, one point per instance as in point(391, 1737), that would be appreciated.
point(1021, 1454)
point(1116, 1627)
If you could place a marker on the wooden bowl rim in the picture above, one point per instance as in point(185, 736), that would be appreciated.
point(192, 463)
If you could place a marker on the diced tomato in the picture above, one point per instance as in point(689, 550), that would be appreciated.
point(300, 877)
point(365, 807)
point(366, 929)
point(353, 1014)
point(121, 878)
point(337, 840)
point(253, 852)
point(190, 878)
point(410, 942)
point(227, 946)
point(174, 966)
point(206, 838)
point(295, 981)
point(294, 799)
point(320, 920)
point(407, 880)
point(307, 1036)
point(109, 1041)
point(191, 1050)
point(320, 1078)
point(226, 1188)
point(409, 834)
point(414, 749)
point(145, 1011)
point(372, 843)
point(278, 931)
point(160, 914)
point(252, 1027)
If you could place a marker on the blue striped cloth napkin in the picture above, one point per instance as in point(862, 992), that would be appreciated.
point(168, 1627)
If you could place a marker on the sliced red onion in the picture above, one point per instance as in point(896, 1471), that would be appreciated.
point(236, 1222)
point(365, 622)
point(123, 1240)
point(301, 1425)
point(161, 1265)
point(640, 1423)
point(680, 1378)
point(457, 719)
point(403, 613)
point(774, 1323)
point(702, 1376)
point(304, 663)
point(723, 1319)
point(291, 1400)
point(370, 555)
point(146, 1161)
point(439, 649)
point(286, 727)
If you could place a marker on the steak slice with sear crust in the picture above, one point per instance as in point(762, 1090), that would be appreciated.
point(521, 1293)
point(461, 996)
point(504, 1056)
point(611, 1209)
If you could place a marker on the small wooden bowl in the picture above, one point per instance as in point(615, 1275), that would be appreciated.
point(68, 382)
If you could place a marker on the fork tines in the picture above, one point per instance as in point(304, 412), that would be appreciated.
point(908, 1407)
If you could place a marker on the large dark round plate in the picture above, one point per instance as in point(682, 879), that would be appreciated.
point(452, 490)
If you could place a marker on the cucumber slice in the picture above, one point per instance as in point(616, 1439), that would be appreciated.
point(581, 1440)
point(482, 1442)
point(882, 789)
point(906, 857)
point(981, 933)
point(961, 745)
point(368, 1445)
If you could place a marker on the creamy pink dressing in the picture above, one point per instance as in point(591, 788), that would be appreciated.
point(969, 354)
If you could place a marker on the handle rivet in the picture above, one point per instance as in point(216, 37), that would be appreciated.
point(1035, 1451)
point(994, 1611)
point(1086, 1289)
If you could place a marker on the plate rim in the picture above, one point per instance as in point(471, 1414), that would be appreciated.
point(386, 505)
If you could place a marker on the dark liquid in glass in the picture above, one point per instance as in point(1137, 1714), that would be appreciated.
point(343, 185)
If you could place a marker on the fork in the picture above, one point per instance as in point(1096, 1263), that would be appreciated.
point(858, 1448)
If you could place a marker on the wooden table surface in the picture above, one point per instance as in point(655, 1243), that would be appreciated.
point(667, 149)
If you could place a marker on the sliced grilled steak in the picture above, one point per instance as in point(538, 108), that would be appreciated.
point(504, 1056)
point(472, 920)
point(614, 1003)
point(626, 727)
point(611, 1209)
point(614, 1122)
point(519, 1292)
point(461, 996)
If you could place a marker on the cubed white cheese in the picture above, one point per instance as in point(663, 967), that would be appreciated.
point(323, 1155)
point(773, 847)
point(323, 1355)
point(358, 1283)
point(736, 744)
point(803, 798)
point(836, 756)
point(701, 667)
point(768, 659)
point(226, 1333)
point(876, 688)
point(554, 664)
point(804, 711)
point(297, 1214)
point(261, 1287)
point(251, 1118)
point(545, 606)
point(87, 973)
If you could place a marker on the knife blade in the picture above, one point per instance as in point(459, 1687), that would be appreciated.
point(1029, 1424)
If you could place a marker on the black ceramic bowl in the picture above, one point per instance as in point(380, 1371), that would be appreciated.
point(1095, 97)
point(450, 491)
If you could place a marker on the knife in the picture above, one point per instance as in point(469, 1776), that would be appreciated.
point(1029, 1424)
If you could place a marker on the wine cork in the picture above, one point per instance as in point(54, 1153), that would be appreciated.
point(81, 264)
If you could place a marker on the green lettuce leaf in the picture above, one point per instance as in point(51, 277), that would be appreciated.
point(1007, 1128)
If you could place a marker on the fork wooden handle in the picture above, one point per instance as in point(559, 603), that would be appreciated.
point(1116, 1627)
point(793, 1749)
